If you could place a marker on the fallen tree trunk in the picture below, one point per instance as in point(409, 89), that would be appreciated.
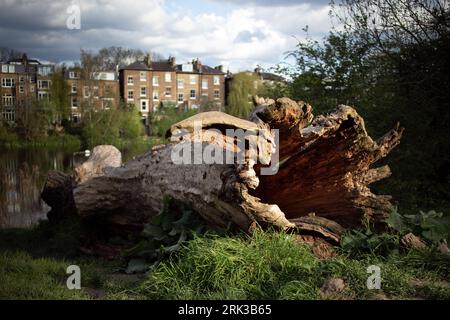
point(322, 179)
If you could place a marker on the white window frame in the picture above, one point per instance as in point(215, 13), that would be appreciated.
point(132, 95)
point(155, 95)
point(74, 105)
point(130, 80)
point(143, 76)
point(8, 84)
point(21, 89)
point(216, 94)
point(170, 91)
point(180, 95)
point(205, 84)
point(145, 92)
point(146, 105)
point(190, 94)
point(168, 77)
point(193, 79)
point(110, 102)
point(216, 80)
point(155, 81)
point(8, 100)
point(180, 83)
point(43, 95)
point(40, 82)
point(74, 88)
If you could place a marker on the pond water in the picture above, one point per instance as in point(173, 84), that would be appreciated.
point(22, 177)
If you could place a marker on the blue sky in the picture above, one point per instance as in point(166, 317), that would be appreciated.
point(238, 34)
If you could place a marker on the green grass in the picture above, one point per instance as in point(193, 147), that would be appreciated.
point(64, 141)
point(265, 265)
point(274, 266)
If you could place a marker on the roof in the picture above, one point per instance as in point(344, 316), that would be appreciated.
point(162, 66)
point(209, 70)
point(204, 69)
point(138, 65)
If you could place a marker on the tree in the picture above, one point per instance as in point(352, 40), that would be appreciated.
point(242, 88)
point(390, 61)
point(59, 91)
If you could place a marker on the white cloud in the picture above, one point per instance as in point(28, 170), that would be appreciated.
point(240, 37)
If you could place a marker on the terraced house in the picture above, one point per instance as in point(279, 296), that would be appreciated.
point(98, 91)
point(152, 84)
point(22, 81)
point(147, 84)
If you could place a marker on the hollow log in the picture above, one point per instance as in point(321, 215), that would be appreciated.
point(322, 171)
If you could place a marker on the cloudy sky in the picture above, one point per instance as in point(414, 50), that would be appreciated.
point(236, 33)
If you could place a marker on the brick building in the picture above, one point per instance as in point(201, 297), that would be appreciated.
point(22, 81)
point(100, 91)
point(152, 84)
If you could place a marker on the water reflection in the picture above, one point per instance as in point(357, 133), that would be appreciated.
point(22, 177)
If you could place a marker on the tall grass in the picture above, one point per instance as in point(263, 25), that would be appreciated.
point(273, 265)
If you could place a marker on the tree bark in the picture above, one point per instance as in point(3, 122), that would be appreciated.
point(322, 180)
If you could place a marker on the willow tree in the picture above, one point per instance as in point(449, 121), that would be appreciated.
point(242, 88)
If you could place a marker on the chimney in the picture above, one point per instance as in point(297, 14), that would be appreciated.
point(148, 60)
point(197, 65)
point(220, 68)
point(172, 61)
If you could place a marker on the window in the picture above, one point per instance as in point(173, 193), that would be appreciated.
point(86, 92)
point(76, 118)
point(168, 92)
point(192, 94)
point(168, 77)
point(156, 81)
point(9, 115)
point(143, 76)
point(21, 89)
point(43, 84)
point(74, 102)
point(205, 84)
point(130, 95)
point(8, 83)
point(5, 68)
point(155, 95)
point(32, 89)
point(95, 92)
point(143, 91)
point(144, 105)
point(8, 100)
point(43, 95)
point(74, 88)
point(216, 80)
point(180, 84)
point(21, 79)
point(180, 97)
point(73, 75)
point(216, 94)
point(11, 69)
point(130, 80)
point(107, 103)
point(193, 79)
